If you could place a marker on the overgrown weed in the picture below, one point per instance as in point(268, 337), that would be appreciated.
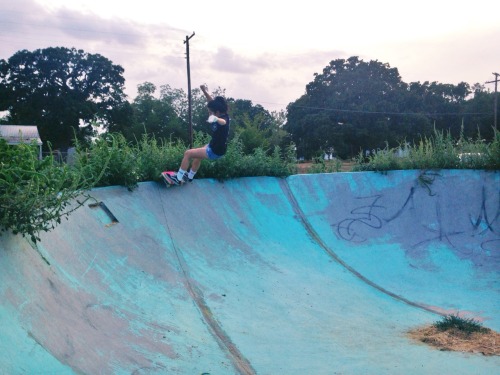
point(440, 151)
point(464, 325)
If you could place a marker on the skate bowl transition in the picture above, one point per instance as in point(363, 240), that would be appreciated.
point(312, 274)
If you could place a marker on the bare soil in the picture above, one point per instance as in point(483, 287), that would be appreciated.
point(487, 343)
point(304, 167)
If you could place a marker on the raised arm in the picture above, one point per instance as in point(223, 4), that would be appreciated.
point(204, 88)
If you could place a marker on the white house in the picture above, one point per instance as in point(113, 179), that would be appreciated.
point(15, 134)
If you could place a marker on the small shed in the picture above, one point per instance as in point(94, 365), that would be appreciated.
point(15, 134)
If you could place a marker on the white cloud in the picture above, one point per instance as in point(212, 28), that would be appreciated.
point(263, 51)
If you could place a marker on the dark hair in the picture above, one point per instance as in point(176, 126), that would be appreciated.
point(218, 104)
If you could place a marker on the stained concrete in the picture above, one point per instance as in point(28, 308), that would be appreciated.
point(312, 274)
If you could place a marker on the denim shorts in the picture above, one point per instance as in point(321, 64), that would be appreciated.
point(211, 155)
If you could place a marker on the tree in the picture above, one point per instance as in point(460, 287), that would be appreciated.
point(349, 102)
point(355, 105)
point(442, 103)
point(62, 91)
point(250, 134)
point(167, 117)
point(200, 111)
point(479, 118)
point(155, 117)
point(256, 126)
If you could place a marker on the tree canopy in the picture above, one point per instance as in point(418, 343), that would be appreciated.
point(355, 105)
point(345, 106)
point(351, 106)
point(167, 117)
point(62, 91)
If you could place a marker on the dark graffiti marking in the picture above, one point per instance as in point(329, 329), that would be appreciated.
point(426, 179)
point(407, 204)
point(371, 213)
point(441, 234)
point(482, 217)
point(492, 246)
point(364, 216)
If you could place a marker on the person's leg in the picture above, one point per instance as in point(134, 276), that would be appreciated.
point(197, 154)
point(195, 165)
point(194, 154)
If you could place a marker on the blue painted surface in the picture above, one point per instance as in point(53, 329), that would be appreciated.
point(315, 274)
point(436, 243)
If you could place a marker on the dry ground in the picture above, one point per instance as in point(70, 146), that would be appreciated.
point(487, 343)
point(304, 167)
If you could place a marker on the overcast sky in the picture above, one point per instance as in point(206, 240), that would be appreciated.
point(263, 50)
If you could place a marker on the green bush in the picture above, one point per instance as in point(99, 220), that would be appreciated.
point(129, 163)
point(319, 165)
point(154, 157)
point(259, 163)
point(114, 152)
point(36, 194)
point(440, 151)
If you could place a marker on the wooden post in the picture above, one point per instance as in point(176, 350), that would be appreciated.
point(190, 120)
point(495, 108)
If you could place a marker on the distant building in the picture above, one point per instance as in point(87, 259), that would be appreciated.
point(15, 134)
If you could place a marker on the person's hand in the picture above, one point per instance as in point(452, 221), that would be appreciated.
point(212, 119)
point(204, 88)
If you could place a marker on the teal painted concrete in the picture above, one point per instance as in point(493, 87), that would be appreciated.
point(313, 274)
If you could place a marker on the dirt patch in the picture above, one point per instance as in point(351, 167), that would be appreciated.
point(304, 167)
point(486, 343)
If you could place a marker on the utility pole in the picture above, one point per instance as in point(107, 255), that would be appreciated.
point(496, 97)
point(186, 42)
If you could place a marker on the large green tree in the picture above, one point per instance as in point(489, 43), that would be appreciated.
point(345, 108)
point(156, 117)
point(479, 114)
point(256, 126)
point(442, 104)
point(62, 91)
point(355, 105)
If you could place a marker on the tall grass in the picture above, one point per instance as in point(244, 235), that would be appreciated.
point(319, 165)
point(36, 194)
point(131, 162)
point(440, 151)
point(143, 160)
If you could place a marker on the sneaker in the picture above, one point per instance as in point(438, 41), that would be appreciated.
point(185, 178)
point(171, 178)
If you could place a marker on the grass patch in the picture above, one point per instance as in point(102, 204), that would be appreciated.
point(455, 322)
point(455, 333)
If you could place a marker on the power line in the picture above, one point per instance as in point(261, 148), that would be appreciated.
point(395, 113)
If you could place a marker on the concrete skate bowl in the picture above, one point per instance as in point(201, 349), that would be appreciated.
point(312, 274)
